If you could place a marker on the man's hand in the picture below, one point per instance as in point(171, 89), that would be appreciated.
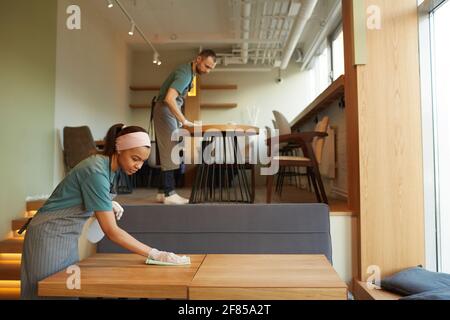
point(188, 123)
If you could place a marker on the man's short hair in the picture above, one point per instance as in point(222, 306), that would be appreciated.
point(208, 53)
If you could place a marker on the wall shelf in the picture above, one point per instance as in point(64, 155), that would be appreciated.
point(202, 106)
point(218, 105)
point(219, 87)
point(202, 87)
point(145, 88)
point(333, 92)
point(139, 106)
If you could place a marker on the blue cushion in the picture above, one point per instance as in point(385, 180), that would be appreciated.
point(416, 280)
point(441, 294)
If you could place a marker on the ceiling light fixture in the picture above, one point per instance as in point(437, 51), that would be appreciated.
point(155, 58)
point(133, 26)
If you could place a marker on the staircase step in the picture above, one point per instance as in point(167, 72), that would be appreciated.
point(9, 290)
point(30, 214)
point(10, 269)
point(10, 257)
point(11, 245)
point(35, 205)
point(18, 223)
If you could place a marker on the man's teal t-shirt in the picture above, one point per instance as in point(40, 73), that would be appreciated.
point(88, 185)
point(180, 79)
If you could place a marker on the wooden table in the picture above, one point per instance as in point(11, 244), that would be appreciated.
point(223, 180)
point(210, 277)
point(124, 276)
point(267, 277)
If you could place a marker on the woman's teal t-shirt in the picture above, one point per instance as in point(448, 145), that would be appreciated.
point(88, 184)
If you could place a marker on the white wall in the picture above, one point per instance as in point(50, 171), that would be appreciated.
point(27, 82)
point(341, 238)
point(92, 75)
point(255, 89)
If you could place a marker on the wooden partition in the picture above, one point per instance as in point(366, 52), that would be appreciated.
point(384, 98)
point(351, 114)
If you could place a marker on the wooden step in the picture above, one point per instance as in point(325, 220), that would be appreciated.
point(10, 257)
point(35, 205)
point(363, 292)
point(18, 223)
point(30, 214)
point(9, 290)
point(11, 245)
point(10, 269)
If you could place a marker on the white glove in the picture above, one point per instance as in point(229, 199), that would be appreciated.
point(117, 209)
point(188, 124)
point(169, 257)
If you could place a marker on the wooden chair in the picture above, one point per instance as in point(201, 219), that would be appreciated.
point(286, 149)
point(309, 161)
point(78, 145)
point(317, 145)
point(282, 124)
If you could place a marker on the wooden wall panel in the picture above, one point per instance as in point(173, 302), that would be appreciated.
point(351, 114)
point(351, 107)
point(390, 144)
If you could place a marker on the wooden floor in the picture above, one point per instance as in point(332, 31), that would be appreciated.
point(291, 194)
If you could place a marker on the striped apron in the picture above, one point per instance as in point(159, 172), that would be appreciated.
point(165, 125)
point(50, 246)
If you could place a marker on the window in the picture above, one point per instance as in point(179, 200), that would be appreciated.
point(435, 67)
point(321, 70)
point(337, 49)
point(441, 69)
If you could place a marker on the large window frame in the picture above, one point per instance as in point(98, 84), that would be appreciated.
point(333, 37)
point(433, 248)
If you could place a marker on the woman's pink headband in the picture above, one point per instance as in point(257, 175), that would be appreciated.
point(133, 140)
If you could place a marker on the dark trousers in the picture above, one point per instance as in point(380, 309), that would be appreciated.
point(167, 183)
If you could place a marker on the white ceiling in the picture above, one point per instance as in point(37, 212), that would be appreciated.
point(217, 24)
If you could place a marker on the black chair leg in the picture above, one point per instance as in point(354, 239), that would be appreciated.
point(279, 177)
point(309, 182)
point(321, 186)
point(282, 177)
point(316, 189)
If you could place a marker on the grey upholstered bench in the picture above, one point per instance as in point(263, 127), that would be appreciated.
point(229, 229)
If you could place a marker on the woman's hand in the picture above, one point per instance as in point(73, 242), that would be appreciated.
point(164, 256)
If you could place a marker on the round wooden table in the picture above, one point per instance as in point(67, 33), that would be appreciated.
point(223, 181)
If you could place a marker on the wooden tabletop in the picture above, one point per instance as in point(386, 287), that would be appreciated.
point(124, 276)
point(228, 277)
point(234, 128)
point(267, 277)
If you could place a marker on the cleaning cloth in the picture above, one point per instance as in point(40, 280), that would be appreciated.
point(178, 262)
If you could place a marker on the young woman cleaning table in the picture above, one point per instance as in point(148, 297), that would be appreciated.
point(51, 240)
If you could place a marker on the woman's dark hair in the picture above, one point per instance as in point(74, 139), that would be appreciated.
point(114, 132)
